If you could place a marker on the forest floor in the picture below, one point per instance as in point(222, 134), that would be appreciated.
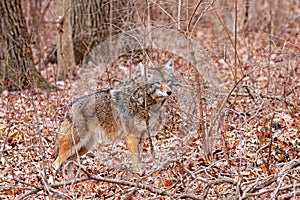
point(254, 144)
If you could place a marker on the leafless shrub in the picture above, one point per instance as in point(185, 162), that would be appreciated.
point(247, 89)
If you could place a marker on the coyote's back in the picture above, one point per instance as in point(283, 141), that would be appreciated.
point(112, 114)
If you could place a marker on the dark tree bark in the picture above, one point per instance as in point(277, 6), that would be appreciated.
point(17, 70)
point(93, 21)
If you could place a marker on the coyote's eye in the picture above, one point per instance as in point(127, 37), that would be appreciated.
point(158, 84)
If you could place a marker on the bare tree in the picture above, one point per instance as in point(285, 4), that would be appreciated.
point(65, 55)
point(17, 70)
point(93, 21)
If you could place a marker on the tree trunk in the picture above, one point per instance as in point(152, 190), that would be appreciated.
point(65, 53)
point(17, 70)
point(93, 21)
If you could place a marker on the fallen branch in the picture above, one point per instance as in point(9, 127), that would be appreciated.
point(140, 185)
point(260, 186)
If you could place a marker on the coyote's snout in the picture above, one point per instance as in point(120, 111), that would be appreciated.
point(112, 114)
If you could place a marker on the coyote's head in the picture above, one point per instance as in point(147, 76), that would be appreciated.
point(159, 80)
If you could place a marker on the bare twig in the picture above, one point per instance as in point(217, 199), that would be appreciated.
point(220, 180)
point(191, 18)
point(218, 114)
point(255, 189)
point(210, 5)
point(235, 41)
point(290, 194)
point(269, 96)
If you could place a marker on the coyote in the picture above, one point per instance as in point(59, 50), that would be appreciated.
point(113, 114)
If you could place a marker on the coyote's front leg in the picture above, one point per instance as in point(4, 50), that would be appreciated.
point(133, 143)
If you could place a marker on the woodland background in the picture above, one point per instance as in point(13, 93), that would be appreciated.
point(231, 129)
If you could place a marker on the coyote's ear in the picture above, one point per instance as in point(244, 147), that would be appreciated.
point(170, 65)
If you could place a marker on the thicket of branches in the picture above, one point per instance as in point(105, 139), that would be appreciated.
point(231, 129)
